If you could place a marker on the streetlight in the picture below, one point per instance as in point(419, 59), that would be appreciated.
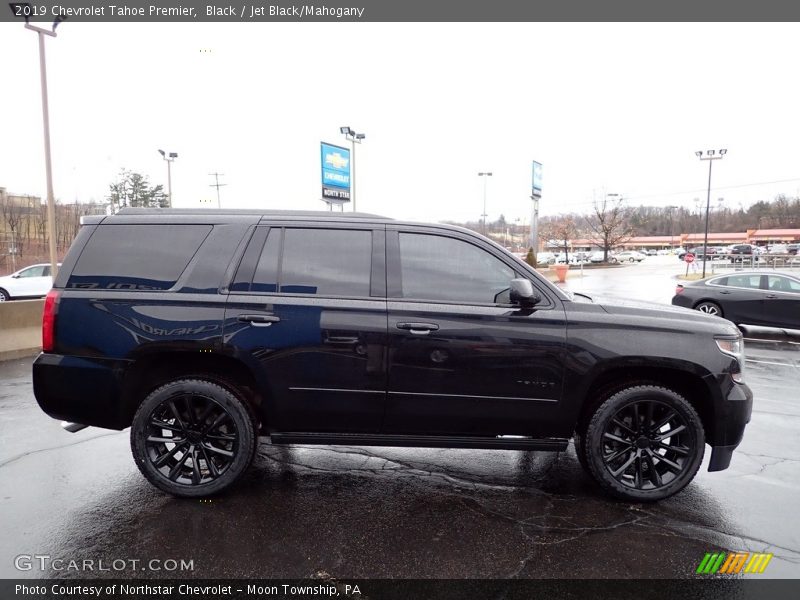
point(485, 176)
point(354, 138)
point(710, 156)
point(51, 205)
point(169, 158)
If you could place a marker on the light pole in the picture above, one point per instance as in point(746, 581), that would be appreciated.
point(354, 138)
point(51, 206)
point(169, 157)
point(485, 176)
point(710, 156)
point(671, 214)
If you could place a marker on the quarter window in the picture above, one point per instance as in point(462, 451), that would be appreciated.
point(442, 269)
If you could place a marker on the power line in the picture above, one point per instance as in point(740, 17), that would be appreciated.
point(217, 185)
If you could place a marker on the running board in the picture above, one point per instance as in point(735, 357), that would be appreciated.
point(421, 441)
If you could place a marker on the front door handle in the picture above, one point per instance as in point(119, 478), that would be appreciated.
point(259, 320)
point(724, 291)
point(418, 328)
point(771, 296)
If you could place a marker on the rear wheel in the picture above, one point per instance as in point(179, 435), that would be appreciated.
point(710, 308)
point(644, 443)
point(192, 438)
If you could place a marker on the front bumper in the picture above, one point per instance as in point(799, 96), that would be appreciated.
point(732, 417)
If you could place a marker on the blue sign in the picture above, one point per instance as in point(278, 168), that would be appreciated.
point(537, 178)
point(335, 172)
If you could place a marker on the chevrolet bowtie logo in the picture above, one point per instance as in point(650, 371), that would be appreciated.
point(336, 160)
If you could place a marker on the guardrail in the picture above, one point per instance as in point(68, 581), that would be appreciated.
point(723, 262)
point(20, 328)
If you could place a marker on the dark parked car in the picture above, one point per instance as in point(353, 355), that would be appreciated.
point(202, 330)
point(760, 298)
point(741, 252)
point(699, 253)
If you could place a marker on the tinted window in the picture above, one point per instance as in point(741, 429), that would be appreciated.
point(327, 262)
point(136, 257)
point(745, 281)
point(266, 275)
point(777, 283)
point(437, 268)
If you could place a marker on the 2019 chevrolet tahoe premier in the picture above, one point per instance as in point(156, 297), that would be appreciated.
point(203, 330)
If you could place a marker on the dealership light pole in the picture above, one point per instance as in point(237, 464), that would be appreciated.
point(48, 165)
point(710, 156)
point(485, 176)
point(354, 138)
point(169, 157)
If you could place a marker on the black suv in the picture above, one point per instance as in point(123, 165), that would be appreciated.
point(203, 330)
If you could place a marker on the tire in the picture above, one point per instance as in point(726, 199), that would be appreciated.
point(4, 295)
point(213, 425)
point(631, 260)
point(710, 308)
point(629, 451)
point(580, 451)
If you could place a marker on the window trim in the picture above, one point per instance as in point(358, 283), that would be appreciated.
point(394, 268)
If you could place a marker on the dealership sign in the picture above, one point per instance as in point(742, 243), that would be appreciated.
point(335, 173)
point(537, 179)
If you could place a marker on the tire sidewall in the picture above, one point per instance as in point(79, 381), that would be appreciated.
point(234, 406)
point(609, 409)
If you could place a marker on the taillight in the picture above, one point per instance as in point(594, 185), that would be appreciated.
point(679, 289)
point(49, 321)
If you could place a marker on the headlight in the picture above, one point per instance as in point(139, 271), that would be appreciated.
point(733, 347)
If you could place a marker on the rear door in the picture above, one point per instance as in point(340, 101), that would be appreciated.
point(741, 297)
point(462, 359)
point(307, 311)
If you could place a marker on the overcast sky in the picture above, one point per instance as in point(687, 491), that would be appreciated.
point(619, 108)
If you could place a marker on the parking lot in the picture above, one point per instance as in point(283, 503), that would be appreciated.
point(352, 512)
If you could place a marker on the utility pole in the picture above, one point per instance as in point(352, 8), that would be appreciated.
point(483, 216)
point(710, 156)
point(217, 185)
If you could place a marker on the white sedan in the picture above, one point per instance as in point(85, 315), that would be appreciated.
point(630, 256)
point(30, 282)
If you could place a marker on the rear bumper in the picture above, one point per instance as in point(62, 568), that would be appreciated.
point(735, 413)
point(80, 390)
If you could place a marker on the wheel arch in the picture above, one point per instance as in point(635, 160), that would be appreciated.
point(688, 384)
point(153, 370)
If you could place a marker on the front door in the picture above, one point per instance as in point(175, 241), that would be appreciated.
point(462, 359)
point(308, 312)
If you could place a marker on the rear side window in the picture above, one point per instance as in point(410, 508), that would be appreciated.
point(136, 257)
point(745, 281)
point(321, 262)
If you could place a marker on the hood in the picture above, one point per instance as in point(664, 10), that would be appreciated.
point(653, 310)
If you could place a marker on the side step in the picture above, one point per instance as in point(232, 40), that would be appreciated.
point(501, 442)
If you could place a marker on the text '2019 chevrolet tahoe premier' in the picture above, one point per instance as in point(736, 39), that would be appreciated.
point(203, 330)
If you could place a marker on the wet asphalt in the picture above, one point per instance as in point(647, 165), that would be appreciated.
point(357, 512)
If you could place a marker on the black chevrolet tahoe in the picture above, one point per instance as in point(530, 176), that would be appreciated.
point(203, 330)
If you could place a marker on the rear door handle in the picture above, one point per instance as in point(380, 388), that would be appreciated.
point(418, 328)
point(259, 320)
point(771, 296)
point(724, 291)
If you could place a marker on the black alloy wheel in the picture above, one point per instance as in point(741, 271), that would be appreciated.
point(645, 443)
point(192, 438)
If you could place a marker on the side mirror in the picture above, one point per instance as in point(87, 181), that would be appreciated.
point(522, 293)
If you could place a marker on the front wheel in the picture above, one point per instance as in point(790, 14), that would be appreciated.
point(4, 297)
point(193, 438)
point(644, 443)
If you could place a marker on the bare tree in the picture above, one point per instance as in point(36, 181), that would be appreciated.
point(561, 229)
point(609, 222)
